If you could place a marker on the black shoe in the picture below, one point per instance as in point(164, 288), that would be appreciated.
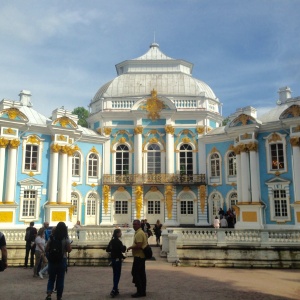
point(114, 293)
point(138, 295)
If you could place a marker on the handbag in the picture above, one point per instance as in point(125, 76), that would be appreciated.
point(148, 252)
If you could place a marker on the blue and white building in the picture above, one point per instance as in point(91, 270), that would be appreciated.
point(156, 149)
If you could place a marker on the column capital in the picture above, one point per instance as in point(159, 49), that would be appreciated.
point(55, 148)
point(14, 144)
point(169, 129)
point(252, 146)
point(3, 142)
point(138, 129)
point(295, 141)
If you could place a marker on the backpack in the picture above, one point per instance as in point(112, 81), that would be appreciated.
point(56, 253)
point(28, 235)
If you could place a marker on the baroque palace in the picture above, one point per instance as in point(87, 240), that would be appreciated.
point(155, 149)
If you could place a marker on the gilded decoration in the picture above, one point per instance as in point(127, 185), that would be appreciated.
point(99, 130)
point(107, 130)
point(71, 210)
point(138, 200)
point(55, 148)
point(32, 139)
point(186, 189)
point(121, 189)
point(153, 141)
point(213, 150)
point(62, 138)
point(246, 136)
point(186, 140)
point(297, 128)
point(122, 140)
point(31, 174)
point(169, 200)
point(153, 106)
point(106, 190)
point(295, 110)
point(200, 129)
point(294, 141)
point(6, 216)
point(153, 189)
point(208, 129)
point(202, 191)
point(3, 142)
point(64, 121)
point(14, 144)
point(243, 148)
point(253, 146)
point(169, 129)
point(12, 113)
point(231, 148)
point(94, 150)
point(9, 131)
point(64, 149)
point(274, 137)
point(138, 130)
point(74, 184)
point(244, 119)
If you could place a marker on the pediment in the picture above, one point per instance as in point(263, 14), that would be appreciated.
point(291, 112)
point(31, 181)
point(243, 120)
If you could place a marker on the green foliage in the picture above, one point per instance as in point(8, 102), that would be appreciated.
point(225, 121)
point(82, 114)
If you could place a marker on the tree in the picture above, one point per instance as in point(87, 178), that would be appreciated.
point(82, 114)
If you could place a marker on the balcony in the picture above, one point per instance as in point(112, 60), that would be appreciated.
point(175, 179)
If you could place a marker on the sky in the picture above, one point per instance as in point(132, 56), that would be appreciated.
point(63, 51)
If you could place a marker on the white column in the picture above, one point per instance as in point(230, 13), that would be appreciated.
point(106, 165)
point(11, 175)
point(2, 159)
point(245, 176)
point(255, 190)
point(69, 181)
point(170, 152)
point(63, 178)
point(53, 177)
point(202, 157)
point(138, 161)
point(239, 176)
point(296, 171)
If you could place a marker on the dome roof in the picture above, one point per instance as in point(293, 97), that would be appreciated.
point(154, 70)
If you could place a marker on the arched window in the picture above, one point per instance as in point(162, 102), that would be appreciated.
point(91, 205)
point(232, 164)
point(93, 165)
point(233, 200)
point(153, 159)
point(122, 160)
point(76, 164)
point(215, 165)
point(186, 159)
point(74, 202)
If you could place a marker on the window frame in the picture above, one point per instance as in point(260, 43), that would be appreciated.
point(212, 178)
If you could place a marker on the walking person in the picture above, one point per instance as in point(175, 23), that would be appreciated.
point(3, 265)
point(138, 271)
point(58, 246)
point(39, 251)
point(117, 249)
point(30, 235)
point(157, 231)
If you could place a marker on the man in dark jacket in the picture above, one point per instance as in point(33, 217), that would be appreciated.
point(3, 252)
point(31, 233)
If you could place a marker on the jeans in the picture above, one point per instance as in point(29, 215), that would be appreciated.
point(56, 271)
point(139, 274)
point(31, 250)
point(117, 267)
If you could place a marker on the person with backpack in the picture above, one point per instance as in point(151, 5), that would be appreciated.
point(30, 236)
point(57, 246)
point(116, 248)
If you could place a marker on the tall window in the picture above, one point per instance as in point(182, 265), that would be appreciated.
point(277, 156)
point(31, 158)
point(29, 203)
point(91, 205)
point(215, 165)
point(232, 164)
point(153, 159)
point(153, 207)
point(186, 207)
point(233, 199)
point(76, 164)
point(280, 203)
point(93, 165)
point(121, 207)
point(186, 159)
point(74, 202)
point(122, 160)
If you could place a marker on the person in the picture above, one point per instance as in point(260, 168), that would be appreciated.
point(47, 231)
point(31, 233)
point(39, 250)
point(147, 228)
point(216, 222)
point(223, 222)
point(138, 271)
point(157, 231)
point(57, 269)
point(3, 251)
point(77, 226)
point(117, 249)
